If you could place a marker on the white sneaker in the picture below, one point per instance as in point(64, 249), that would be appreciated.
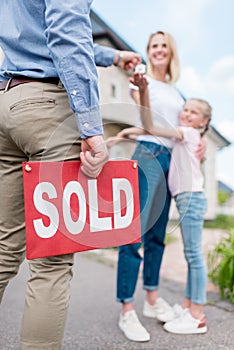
point(186, 324)
point(175, 312)
point(161, 307)
point(132, 328)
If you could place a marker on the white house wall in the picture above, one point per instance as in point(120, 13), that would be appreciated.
point(211, 188)
point(1, 56)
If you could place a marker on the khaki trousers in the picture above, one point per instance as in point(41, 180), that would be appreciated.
point(36, 124)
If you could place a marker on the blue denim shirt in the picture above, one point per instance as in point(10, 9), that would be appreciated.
point(53, 38)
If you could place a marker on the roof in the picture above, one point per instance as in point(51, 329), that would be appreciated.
point(224, 187)
point(103, 30)
point(221, 141)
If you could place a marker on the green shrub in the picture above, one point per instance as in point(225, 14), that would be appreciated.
point(221, 266)
point(222, 221)
point(222, 197)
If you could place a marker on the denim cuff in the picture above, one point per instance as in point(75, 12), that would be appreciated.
point(125, 301)
point(150, 287)
point(89, 123)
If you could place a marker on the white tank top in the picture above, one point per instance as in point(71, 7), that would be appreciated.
point(166, 104)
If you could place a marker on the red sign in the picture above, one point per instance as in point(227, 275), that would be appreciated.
point(67, 212)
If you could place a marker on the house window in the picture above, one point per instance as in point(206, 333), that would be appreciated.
point(113, 90)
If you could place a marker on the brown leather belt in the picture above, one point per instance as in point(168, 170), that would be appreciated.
point(8, 84)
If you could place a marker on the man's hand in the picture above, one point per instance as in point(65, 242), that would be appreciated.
point(127, 60)
point(94, 155)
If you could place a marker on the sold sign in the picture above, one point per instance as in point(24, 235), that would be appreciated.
point(67, 212)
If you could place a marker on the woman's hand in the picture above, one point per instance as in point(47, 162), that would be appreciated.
point(139, 80)
point(201, 150)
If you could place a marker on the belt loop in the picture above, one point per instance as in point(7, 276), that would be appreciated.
point(8, 85)
point(60, 84)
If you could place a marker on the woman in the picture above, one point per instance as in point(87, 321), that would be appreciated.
point(153, 155)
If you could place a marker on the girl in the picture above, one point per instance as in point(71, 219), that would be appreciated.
point(186, 186)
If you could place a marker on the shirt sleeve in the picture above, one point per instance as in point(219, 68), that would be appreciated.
point(69, 39)
point(189, 134)
point(104, 56)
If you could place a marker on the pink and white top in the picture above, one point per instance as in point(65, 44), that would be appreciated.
point(185, 173)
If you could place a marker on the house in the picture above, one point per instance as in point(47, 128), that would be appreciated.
point(225, 188)
point(215, 143)
point(227, 207)
point(118, 111)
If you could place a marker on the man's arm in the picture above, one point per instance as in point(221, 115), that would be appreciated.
point(106, 56)
point(69, 39)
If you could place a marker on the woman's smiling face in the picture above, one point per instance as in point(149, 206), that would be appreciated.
point(159, 52)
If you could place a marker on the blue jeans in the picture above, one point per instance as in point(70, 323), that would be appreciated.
point(192, 208)
point(153, 165)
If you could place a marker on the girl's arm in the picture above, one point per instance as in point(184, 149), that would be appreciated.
point(128, 133)
point(131, 133)
point(167, 132)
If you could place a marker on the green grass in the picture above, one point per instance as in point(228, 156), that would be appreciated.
point(221, 266)
point(224, 222)
point(170, 238)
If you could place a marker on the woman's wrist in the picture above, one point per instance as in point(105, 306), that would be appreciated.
point(143, 89)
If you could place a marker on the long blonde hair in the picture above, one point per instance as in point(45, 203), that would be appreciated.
point(173, 71)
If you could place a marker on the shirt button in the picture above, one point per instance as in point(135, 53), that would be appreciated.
point(86, 125)
point(74, 92)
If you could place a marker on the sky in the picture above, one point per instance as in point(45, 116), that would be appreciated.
point(204, 32)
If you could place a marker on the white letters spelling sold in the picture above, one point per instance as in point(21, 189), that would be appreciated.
point(75, 227)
